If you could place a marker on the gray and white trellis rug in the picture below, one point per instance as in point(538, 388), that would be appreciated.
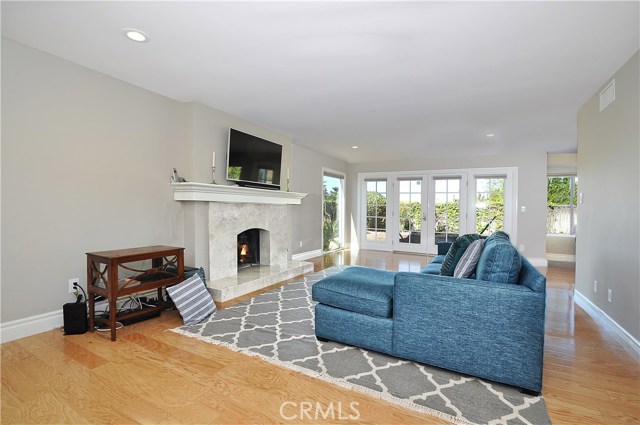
point(278, 326)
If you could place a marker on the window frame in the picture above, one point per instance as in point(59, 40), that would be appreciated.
point(573, 179)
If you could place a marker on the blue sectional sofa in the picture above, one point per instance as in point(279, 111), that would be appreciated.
point(491, 326)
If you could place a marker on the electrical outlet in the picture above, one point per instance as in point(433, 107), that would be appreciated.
point(72, 283)
point(522, 248)
point(595, 286)
point(609, 295)
point(300, 244)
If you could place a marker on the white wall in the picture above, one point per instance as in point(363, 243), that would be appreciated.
point(307, 178)
point(532, 189)
point(85, 167)
point(207, 132)
point(86, 160)
point(561, 247)
point(608, 228)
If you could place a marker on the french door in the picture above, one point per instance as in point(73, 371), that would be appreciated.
point(410, 215)
point(448, 208)
point(413, 212)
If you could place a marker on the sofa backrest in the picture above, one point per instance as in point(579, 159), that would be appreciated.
point(500, 260)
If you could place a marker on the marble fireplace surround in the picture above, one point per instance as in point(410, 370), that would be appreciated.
point(227, 221)
point(232, 210)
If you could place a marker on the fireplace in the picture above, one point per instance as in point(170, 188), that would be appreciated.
point(212, 239)
point(248, 248)
point(230, 273)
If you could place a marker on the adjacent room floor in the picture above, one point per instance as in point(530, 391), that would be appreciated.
point(150, 375)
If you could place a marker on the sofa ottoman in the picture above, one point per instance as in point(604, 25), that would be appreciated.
point(355, 307)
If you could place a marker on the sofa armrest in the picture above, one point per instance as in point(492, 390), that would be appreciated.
point(491, 330)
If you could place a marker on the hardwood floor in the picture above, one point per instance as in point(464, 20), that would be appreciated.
point(150, 375)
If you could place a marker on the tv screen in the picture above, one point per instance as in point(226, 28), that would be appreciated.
point(252, 161)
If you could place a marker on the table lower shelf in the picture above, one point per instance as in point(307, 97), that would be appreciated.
point(131, 317)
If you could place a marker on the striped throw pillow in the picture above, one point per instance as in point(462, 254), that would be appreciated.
point(192, 300)
point(467, 265)
point(455, 252)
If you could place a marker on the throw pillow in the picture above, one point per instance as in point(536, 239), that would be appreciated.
point(500, 260)
point(455, 253)
point(192, 300)
point(467, 265)
point(498, 234)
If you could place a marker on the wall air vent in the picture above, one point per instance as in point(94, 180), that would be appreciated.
point(608, 94)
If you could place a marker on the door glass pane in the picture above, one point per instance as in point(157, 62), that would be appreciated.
point(332, 229)
point(447, 209)
point(489, 205)
point(377, 210)
point(410, 220)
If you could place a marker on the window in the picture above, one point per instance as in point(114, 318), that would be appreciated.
point(561, 205)
point(489, 204)
point(376, 210)
point(447, 209)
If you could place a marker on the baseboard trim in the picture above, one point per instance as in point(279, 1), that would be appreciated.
point(561, 257)
point(628, 342)
point(306, 255)
point(22, 328)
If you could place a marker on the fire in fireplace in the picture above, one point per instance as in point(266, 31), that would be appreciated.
point(249, 248)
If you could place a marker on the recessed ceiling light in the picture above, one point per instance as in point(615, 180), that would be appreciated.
point(136, 35)
point(490, 135)
point(354, 147)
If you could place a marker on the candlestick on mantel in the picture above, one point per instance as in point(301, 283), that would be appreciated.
point(213, 168)
point(288, 182)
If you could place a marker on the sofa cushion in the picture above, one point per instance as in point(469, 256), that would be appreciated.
point(466, 267)
point(499, 234)
point(438, 259)
point(358, 289)
point(455, 253)
point(432, 268)
point(500, 260)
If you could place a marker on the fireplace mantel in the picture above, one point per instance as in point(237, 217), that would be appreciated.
point(206, 192)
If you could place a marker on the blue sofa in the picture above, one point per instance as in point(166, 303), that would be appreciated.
point(490, 329)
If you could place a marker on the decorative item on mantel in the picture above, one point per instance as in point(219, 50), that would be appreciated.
point(213, 169)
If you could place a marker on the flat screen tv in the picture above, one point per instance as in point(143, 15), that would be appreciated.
point(252, 161)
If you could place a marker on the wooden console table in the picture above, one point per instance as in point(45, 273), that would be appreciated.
point(102, 279)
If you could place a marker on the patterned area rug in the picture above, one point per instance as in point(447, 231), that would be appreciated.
point(278, 326)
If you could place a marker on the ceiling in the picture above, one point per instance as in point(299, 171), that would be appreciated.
point(400, 80)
